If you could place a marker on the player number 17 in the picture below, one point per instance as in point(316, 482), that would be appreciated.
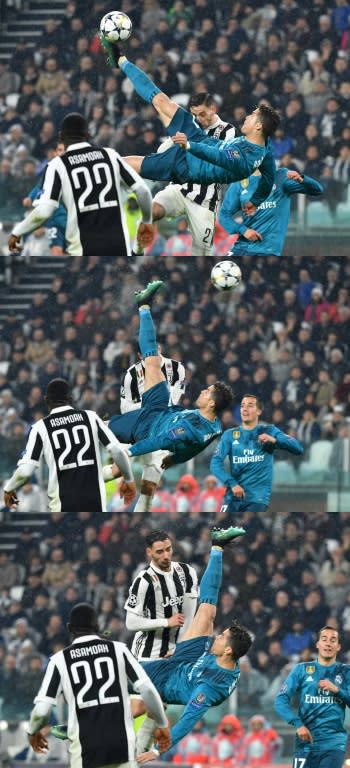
point(299, 762)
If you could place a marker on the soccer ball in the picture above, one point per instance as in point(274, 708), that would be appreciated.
point(116, 26)
point(226, 275)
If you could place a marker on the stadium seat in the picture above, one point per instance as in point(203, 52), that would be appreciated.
point(284, 473)
point(338, 501)
point(316, 469)
point(318, 215)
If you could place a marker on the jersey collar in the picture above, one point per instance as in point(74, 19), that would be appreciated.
point(78, 145)
point(158, 570)
point(85, 638)
point(62, 408)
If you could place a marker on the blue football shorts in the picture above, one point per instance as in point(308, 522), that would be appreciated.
point(171, 165)
point(237, 506)
point(187, 651)
point(330, 758)
point(136, 425)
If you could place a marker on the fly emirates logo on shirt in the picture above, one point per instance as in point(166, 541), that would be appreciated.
point(322, 697)
point(249, 456)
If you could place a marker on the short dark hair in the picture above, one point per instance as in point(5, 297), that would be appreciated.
point(58, 391)
point(73, 126)
point(83, 616)
point(327, 626)
point(240, 640)
point(202, 98)
point(159, 535)
point(270, 119)
point(259, 402)
point(222, 396)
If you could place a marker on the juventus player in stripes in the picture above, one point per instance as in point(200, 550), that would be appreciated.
point(204, 669)
point(93, 675)
point(69, 440)
point(88, 180)
point(156, 425)
point(162, 600)
point(198, 202)
point(131, 391)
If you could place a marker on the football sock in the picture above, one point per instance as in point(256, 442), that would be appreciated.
point(147, 333)
point(142, 83)
point(211, 580)
point(143, 503)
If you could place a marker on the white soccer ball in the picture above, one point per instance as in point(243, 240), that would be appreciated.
point(116, 26)
point(226, 275)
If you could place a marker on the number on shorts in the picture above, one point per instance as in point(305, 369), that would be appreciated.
point(208, 237)
point(224, 508)
point(81, 437)
point(299, 762)
point(87, 675)
point(87, 179)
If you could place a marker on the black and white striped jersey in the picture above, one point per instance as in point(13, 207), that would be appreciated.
point(208, 195)
point(154, 597)
point(88, 180)
point(69, 441)
point(133, 383)
point(92, 674)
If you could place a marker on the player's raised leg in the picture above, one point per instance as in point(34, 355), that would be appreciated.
point(203, 621)
point(148, 336)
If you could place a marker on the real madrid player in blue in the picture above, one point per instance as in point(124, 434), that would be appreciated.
point(156, 425)
point(264, 232)
point(204, 669)
point(249, 449)
point(206, 159)
point(323, 689)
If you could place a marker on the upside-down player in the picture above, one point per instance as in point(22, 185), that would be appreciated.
point(205, 159)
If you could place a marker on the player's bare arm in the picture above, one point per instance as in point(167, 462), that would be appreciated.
point(327, 685)
point(238, 491)
point(304, 734)
point(265, 438)
point(38, 742)
point(145, 234)
point(296, 176)
point(10, 499)
point(248, 208)
point(252, 235)
point(180, 138)
point(127, 491)
point(14, 244)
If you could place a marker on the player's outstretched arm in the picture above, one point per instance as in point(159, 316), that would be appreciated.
point(296, 183)
point(222, 157)
point(217, 463)
point(231, 205)
point(268, 173)
point(281, 440)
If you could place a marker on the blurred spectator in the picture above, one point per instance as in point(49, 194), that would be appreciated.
point(294, 642)
point(196, 747)
point(186, 494)
point(225, 744)
point(261, 743)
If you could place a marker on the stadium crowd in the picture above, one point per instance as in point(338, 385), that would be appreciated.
point(294, 356)
point(293, 56)
point(289, 575)
point(284, 581)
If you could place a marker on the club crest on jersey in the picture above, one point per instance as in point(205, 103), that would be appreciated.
point(310, 669)
point(338, 679)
